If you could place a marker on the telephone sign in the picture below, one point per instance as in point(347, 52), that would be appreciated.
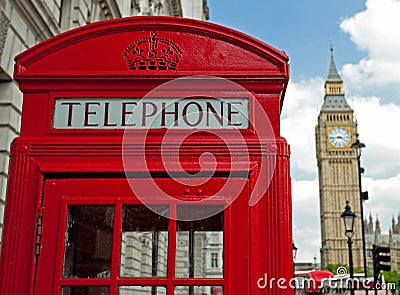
point(136, 113)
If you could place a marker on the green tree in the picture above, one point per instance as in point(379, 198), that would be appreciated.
point(392, 277)
point(333, 268)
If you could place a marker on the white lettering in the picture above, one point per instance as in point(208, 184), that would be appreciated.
point(262, 282)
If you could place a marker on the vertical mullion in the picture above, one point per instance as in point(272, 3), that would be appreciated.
point(191, 250)
point(191, 256)
point(61, 243)
point(171, 249)
point(154, 250)
point(73, 234)
point(116, 248)
point(154, 260)
point(226, 242)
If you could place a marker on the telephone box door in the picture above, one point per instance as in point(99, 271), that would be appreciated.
point(99, 238)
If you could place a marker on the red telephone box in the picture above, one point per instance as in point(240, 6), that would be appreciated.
point(149, 162)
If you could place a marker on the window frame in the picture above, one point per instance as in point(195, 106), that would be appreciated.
point(106, 192)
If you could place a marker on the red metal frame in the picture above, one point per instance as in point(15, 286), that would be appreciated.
point(88, 62)
point(116, 192)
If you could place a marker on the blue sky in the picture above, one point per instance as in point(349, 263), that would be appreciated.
point(366, 42)
point(302, 29)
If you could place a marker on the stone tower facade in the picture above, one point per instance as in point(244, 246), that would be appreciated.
point(338, 172)
point(25, 23)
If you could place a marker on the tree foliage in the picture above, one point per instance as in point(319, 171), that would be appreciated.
point(334, 267)
point(392, 277)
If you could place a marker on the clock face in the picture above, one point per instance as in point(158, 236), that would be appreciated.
point(339, 137)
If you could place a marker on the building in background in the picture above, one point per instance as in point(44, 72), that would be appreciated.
point(338, 175)
point(373, 235)
point(26, 23)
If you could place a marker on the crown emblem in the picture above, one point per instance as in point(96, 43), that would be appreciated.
point(152, 53)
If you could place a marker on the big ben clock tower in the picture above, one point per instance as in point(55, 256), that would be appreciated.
point(338, 172)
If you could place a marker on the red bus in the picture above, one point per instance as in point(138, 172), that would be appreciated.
point(310, 282)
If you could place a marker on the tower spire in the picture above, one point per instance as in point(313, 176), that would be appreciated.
point(334, 95)
point(333, 74)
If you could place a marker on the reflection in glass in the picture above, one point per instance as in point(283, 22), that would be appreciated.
point(198, 290)
point(144, 242)
point(142, 290)
point(199, 244)
point(88, 243)
point(85, 291)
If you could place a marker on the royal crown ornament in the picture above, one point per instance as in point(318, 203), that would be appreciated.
point(152, 53)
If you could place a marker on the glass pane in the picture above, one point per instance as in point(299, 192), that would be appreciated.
point(88, 242)
point(144, 242)
point(198, 290)
point(199, 244)
point(141, 290)
point(85, 291)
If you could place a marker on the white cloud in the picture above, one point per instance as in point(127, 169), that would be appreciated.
point(308, 243)
point(306, 219)
point(377, 126)
point(303, 101)
point(304, 192)
point(383, 199)
point(376, 30)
